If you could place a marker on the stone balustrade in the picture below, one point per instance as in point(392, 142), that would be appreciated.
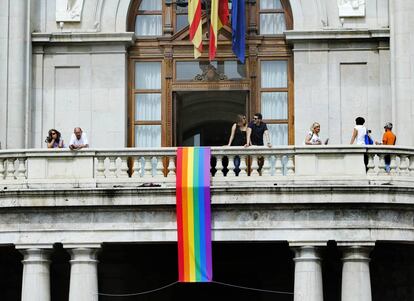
point(132, 167)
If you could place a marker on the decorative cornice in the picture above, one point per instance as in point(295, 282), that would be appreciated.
point(83, 37)
point(335, 34)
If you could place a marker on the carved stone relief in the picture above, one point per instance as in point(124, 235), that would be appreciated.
point(69, 10)
point(351, 8)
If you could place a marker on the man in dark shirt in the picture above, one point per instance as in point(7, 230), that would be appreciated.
point(255, 131)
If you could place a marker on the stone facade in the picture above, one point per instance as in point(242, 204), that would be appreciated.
point(62, 75)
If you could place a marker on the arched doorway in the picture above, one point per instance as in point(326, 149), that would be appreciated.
point(168, 88)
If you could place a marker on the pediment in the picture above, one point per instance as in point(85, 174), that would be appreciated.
point(225, 33)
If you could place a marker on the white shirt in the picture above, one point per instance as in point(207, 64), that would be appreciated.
point(75, 141)
point(360, 139)
point(314, 138)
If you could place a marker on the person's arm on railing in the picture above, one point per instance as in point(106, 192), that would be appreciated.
point(354, 135)
point(266, 133)
point(248, 134)
point(233, 131)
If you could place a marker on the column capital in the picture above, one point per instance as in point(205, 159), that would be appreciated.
point(82, 245)
point(33, 246)
point(356, 253)
point(306, 253)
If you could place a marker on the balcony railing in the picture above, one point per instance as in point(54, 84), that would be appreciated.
point(139, 167)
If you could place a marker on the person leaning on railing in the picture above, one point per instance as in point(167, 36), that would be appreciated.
point(312, 138)
point(388, 138)
point(78, 140)
point(54, 139)
point(256, 130)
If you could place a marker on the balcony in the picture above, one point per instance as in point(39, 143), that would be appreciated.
point(143, 168)
point(300, 194)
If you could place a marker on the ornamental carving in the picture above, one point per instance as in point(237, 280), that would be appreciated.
point(210, 73)
point(351, 8)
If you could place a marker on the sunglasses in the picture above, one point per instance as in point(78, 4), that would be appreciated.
point(54, 133)
point(255, 118)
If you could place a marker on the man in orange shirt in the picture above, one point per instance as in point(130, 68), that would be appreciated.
point(388, 139)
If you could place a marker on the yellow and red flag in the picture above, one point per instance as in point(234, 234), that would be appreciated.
point(196, 31)
point(219, 18)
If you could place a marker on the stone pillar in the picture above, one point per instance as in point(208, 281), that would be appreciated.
point(356, 282)
point(17, 74)
point(402, 72)
point(83, 274)
point(308, 274)
point(36, 275)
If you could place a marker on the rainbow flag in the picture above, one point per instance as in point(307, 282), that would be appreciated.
point(193, 214)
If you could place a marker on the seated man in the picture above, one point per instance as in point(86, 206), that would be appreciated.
point(78, 139)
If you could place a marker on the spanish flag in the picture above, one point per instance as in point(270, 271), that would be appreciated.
point(196, 31)
point(219, 18)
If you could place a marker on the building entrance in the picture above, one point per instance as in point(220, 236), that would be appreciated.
point(204, 118)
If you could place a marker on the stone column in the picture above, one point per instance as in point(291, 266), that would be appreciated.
point(17, 74)
point(83, 274)
point(36, 275)
point(308, 274)
point(402, 72)
point(356, 282)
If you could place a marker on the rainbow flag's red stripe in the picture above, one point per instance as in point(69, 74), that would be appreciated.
point(194, 215)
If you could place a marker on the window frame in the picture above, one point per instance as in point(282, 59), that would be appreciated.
point(132, 111)
point(282, 10)
point(287, 89)
point(137, 12)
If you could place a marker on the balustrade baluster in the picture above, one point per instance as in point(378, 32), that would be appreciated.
point(411, 166)
point(2, 170)
point(290, 166)
point(255, 166)
point(393, 165)
point(10, 169)
point(219, 167)
point(124, 168)
point(381, 164)
point(266, 172)
point(243, 167)
point(147, 167)
point(231, 167)
point(159, 172)
point(371, 165)
point(112, 167)
point(21, 172)
point(278, 166)
point(171, 167)
point(136, 168)
point(404, 165)
point(100, 170)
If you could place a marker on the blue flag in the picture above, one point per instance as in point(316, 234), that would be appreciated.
point(238, 25)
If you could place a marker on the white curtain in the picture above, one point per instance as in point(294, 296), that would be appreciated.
point(148, 135)
point(274, 74)
point(272, 23)
point(151, 5)
point(148, 106)
point(270, 4)
point(278, 133)
point(274, 105)
point(148, 75)
point(148, 25)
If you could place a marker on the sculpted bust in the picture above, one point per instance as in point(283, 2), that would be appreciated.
point(69, 10)
point(351, 8)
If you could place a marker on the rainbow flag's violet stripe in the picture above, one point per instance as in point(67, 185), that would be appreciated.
point(193, 214)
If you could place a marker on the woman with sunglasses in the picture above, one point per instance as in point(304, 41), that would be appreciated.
point(54, 140)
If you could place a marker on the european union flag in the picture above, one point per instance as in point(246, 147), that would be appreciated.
point(238, 25)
